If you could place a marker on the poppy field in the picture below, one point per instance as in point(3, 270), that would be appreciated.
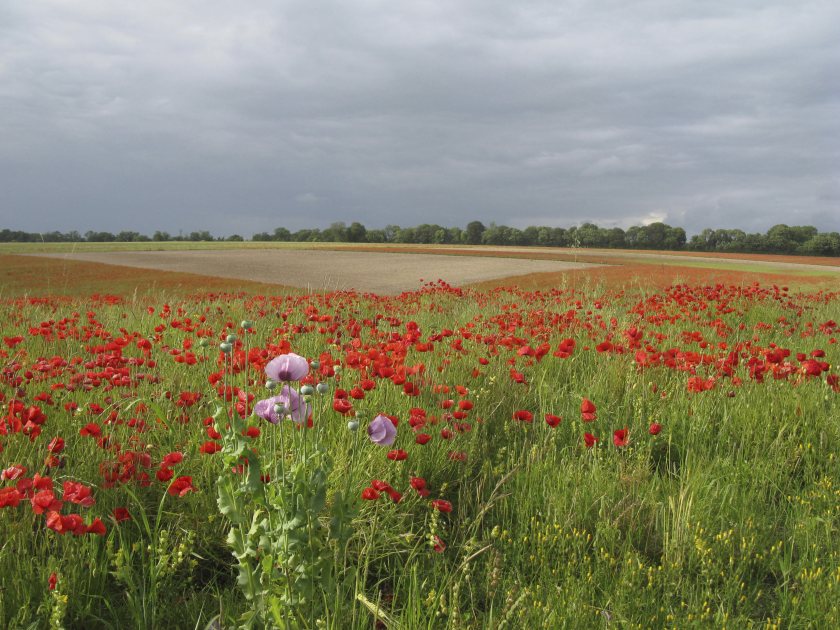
point(577, 456)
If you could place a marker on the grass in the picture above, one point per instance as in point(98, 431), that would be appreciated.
point(727, 517)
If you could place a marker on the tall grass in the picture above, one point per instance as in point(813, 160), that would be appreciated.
point(728, 517)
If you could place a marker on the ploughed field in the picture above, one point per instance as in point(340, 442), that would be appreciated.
point(325, 270)
point(577, 455)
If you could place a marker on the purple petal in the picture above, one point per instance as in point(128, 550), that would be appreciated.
point(287, 367)
point(382, 431)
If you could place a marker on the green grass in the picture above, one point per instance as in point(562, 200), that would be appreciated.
point(728, 517)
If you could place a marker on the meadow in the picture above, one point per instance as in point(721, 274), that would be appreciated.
point(642, 445)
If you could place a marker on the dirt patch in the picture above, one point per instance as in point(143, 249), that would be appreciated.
point(326, 270)
point(772, 262)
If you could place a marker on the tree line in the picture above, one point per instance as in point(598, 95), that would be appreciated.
point(779, 239)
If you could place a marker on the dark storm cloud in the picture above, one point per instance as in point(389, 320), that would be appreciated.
point(241, 118)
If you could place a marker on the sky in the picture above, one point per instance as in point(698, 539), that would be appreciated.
point(184, 115)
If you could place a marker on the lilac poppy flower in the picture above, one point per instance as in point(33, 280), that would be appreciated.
point(287, 367)
point(297, 409)
point(382, 431)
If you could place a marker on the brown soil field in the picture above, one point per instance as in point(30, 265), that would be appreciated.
point(329, 270)
point(773, 262)
point(39, 276)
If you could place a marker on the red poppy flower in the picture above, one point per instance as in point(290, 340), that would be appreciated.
point(12, 472)
point(208, 448)
point(75, 492)
point(172, 458)
point(10, 497)
point(422, 438)
point(56, 445)
point(621, 437)
point(381, 486)
point(442, 505)
point(181, 486)
point(587, 410)
point(45, 501)
point(552, 420)
point(589, 440)
point(121, 514)
point(437, 544)
point(90, 429)
point(52, 581)
point(98, 527)
point(369, 494)
point(523, 415)
point(397, 455)
point(342, 406)
point(655, 428)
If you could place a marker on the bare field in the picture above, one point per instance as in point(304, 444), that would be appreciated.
point(365, 271)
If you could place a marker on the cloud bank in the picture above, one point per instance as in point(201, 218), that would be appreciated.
point(242, 118)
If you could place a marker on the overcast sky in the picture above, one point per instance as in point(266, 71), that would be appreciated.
point(239, 117)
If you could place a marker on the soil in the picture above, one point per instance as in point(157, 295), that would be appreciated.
point(326, 270)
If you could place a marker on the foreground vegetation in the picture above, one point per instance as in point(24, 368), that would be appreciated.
point(562, 458)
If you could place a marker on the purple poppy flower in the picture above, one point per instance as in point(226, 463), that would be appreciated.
point(297, 409)
point(287, 367)
point(382, 431)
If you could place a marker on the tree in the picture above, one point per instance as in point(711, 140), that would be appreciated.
point(391, 232)
point(336, 233)
point(356, 233)
point(281, 234)
point(653, 235)
point(161, 236)
point(674, 238)
point(474, 233)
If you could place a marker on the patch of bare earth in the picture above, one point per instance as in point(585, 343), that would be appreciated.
point(329, 270)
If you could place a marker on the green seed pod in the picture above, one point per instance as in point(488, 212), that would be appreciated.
point(269, 384)
point(322, 388)
point(225, 347)
point(246, 325)
point(315, 364)
point(353, 425)
point(230, 338)
point(307, 390)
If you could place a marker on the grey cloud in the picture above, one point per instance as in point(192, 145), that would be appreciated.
point(206, 115)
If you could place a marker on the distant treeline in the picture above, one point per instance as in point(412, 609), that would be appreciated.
point(779, 239)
